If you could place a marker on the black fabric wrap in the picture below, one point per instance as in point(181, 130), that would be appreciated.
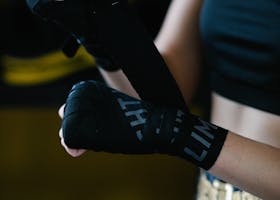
point(75, 18)
point(102, 119)
point(113, 34)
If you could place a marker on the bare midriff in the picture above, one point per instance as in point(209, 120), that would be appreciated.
point(244, 120)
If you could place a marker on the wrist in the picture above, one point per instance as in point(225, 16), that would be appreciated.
point(202, 143)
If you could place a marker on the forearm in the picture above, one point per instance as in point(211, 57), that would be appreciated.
point(118, 81)
point(179, 43)
point(250, 165)
point(131, 126)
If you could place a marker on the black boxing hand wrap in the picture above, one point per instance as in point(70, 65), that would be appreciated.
point(114, 35)
point(76, 18)
point(102, 119)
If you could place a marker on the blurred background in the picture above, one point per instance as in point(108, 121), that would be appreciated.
point(35, 78)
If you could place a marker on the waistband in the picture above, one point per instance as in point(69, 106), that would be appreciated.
point(212, 179)
point(211, 188)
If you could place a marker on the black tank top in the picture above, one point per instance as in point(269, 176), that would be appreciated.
point(241, 42)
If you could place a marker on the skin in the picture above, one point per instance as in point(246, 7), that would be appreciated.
point(250, 157)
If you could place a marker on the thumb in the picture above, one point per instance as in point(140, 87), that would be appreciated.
point(61, 111)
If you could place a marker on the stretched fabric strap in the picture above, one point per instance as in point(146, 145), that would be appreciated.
point(127, 40)
point(112, 29)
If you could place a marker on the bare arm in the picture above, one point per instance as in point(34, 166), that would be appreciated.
point(179, 43)
point(250, 165)
point(119, 81)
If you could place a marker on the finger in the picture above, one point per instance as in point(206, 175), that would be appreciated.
point(60, 133)
point(72, 152)
point(75, 152)
point(61, 111)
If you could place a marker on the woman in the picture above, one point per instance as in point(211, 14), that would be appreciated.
point(232, 49)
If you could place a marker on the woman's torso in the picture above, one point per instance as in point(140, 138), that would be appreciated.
point(241, 42)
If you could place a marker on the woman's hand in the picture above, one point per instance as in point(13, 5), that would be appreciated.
point(72, 152)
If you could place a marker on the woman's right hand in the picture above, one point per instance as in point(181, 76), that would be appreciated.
point(72, 152)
